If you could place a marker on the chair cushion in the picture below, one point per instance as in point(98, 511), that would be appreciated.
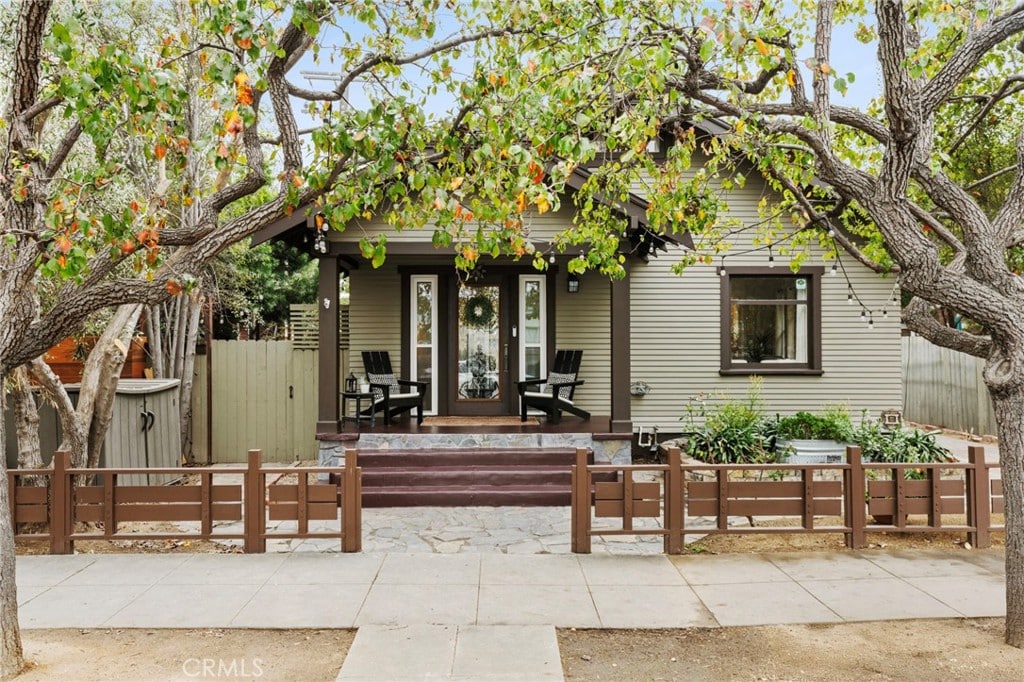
point(395, 396)
point(535, 394)
point(387, 379)
point(559, 378)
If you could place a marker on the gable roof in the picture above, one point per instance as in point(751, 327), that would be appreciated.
point(644, 242)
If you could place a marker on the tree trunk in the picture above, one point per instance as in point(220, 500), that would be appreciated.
point(100, 376)
point(26, 424)
point(1009, 412)
point(12, 658)
point(187, 371)
point(155, 335)
point(74, 437)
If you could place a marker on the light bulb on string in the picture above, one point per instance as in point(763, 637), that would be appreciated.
point(885, 312)
point(771, 257)
point(835, 269)
point(849, 295)
point(551, 259)
point(863, 314)
point(871, 322)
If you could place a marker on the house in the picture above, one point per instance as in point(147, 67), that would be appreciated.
point(650, 341)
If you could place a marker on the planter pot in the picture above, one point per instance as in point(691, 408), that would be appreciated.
point(813, 451)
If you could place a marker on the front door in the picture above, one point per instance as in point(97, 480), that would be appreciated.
point(481, 348)
point(473, 340)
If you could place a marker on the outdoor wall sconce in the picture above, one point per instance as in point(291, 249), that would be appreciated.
point(573, 283)
point(639, 389)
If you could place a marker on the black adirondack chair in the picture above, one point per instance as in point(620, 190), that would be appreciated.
point(559, 386)
point(391, 395)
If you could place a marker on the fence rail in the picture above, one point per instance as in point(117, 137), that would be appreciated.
point(59, 511)
point(862, 500)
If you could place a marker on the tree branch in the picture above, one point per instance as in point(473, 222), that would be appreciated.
point(967, 56)
point(919, 319)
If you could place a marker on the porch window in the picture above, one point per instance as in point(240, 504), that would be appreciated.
point(423, 328)
point(532, 346)
point(771, 322)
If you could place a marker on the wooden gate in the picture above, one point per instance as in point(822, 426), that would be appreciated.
point(264, 396)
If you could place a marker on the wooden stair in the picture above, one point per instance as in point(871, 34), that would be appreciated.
point(486, 477)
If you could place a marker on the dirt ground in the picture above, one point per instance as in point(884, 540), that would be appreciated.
point(143, 655)
point(926, 650)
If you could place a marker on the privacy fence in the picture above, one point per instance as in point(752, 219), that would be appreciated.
point(945, 388)
point(64, 504)
point(852, 498)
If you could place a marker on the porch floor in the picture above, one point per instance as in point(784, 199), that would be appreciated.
point(597, 425)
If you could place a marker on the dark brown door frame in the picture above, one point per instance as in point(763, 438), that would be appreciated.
point(447, 288)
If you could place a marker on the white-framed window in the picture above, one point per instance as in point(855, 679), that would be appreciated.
point(423, 335)
point(532, 327)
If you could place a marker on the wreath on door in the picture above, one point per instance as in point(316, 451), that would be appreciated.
point(479, 311)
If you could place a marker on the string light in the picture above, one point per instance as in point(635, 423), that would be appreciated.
point(771, 257)
point(835, 269)
point(849, 294)
point(551, 259)
point(871, 322)
point(885, 312)
point(863, 314)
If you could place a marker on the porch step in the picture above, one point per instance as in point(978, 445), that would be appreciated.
point(468, 496)
point(467, 477)
point(463, 457)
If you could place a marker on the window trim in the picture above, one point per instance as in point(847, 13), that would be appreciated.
point(813, 367)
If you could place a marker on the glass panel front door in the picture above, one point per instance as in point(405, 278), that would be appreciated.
point(478, 339)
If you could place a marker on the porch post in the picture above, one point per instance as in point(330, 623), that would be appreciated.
point(330, 383)
point(620, 337)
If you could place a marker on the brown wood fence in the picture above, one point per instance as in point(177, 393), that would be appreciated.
point(62, 510)
point(865, 497)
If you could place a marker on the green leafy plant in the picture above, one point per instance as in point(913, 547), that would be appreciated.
point(735, 431)
point(833, 424)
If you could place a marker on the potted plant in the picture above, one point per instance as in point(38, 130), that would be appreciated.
point(812, 438)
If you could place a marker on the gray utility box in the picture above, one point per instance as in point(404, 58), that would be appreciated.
point(145, 430)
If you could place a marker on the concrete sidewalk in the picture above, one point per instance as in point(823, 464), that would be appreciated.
point(465, 607)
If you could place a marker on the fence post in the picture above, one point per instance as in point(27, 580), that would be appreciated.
point(352, 504)
point(979, 500)
point(674, 503)
point(255, 523)
point(581, 503)
point(856, 508)
point(61, 500)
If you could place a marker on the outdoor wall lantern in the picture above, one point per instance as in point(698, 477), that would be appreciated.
point(351, 383)
point(573, 283)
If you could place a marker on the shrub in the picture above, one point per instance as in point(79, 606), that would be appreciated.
point(735, 432)
point(833, 424)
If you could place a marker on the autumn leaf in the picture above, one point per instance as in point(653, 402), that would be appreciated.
point(244, 43)
point(233, 122)
point(521, 202)
point(159, 151)
point(62, 243)
point(825, 68)
point(455, 183)
point(543, 205)
point(791, 78)
point(173, 287)
point(761, 47)
point(243, 91)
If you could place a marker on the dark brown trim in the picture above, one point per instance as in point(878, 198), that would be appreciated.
point(551, 297)
point(327, 304)
point(619, 331)
point(813, 367)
